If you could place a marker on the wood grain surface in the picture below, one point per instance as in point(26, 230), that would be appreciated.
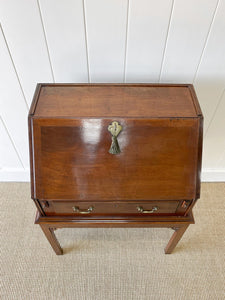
point(114, 100)
point(62, 208)
point(158, 159)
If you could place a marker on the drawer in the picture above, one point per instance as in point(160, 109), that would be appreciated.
point(52, 208)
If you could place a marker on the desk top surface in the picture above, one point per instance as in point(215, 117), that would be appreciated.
point(115, 100)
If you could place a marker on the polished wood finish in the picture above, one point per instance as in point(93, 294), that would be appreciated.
point(179, 231)
point(114, 221)
point(48, 224)
point(49, 233)
point(66, 207)
point(115, 100)
point(162, 166)
point(159, 164)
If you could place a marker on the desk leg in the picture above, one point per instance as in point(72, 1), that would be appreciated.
point(50, 235)
point(175, 238)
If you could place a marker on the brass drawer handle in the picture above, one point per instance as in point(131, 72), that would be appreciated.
point(86, 211)
point(144, 211)
point(114, 129)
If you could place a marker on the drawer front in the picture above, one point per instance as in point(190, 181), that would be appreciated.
point(158, 159)
point(100, 208)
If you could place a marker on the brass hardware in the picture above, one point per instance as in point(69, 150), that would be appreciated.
point(185, 204)
point(86, 211)
point(45, 204)
point(175, 228)
point(143, 211)
point(114, 129)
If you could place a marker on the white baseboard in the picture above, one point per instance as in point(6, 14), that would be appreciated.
point(23, 175)
point(213, 175)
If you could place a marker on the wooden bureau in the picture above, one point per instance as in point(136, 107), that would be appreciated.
point(115, 155)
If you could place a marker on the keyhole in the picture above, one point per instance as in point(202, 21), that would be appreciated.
point(115, 127)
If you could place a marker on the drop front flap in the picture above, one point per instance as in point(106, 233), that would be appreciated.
point(157, 160)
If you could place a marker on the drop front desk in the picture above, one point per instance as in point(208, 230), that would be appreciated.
point(115, 155)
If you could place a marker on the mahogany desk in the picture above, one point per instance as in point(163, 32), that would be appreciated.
point(115, 155)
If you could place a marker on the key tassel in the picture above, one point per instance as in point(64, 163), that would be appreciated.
point(115, 148)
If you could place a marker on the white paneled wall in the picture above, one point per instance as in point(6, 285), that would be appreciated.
point(146, 39)
point(23, 30)
point(106, 23)
point(110, 41)
point(65, 32)
point(187, 35)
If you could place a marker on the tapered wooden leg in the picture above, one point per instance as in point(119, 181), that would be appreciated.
point(175, 238)
point(50, 235)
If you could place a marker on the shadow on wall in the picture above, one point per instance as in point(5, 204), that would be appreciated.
point(211, 95)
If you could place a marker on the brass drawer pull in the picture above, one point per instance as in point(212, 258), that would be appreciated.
point(86, 211)
point(144, 211)
point(114, 129)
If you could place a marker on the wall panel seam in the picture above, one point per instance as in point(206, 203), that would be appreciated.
point(215, 111)
point(206, 41)
point(14, 67)
point(126, 41)
point(166, 40)
point(11, 140)
point(46, 41)
point(86, 41)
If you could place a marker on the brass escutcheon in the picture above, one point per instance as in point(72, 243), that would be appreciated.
point(114, 128)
